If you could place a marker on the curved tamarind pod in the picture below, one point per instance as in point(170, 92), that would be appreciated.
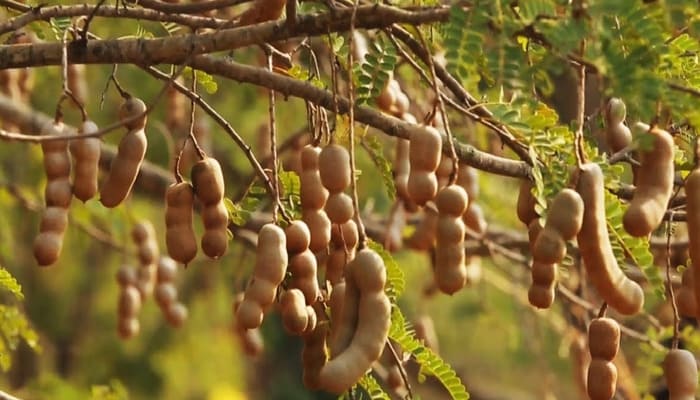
point(654, 182)
point(526, 203)
point(86, 156)
point(368, 274)
point(681, 373)
point(132, 149)
point(692, 207)
point(620, 292)
point(179, 234)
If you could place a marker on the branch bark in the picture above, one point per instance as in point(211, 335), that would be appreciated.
point(177, 49)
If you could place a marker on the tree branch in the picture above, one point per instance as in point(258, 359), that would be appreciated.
point(367, 115)
point(177, 49)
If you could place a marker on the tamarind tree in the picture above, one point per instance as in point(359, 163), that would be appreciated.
point(373, 200)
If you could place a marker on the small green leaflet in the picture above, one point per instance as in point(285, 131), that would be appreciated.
point(373, 146)
point(10, 284)
point(395, 282)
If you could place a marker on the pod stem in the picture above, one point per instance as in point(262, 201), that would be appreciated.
point(191, 136)
point(580, 111)
point(669, 286)
point(67, 93)
point(603, 310)
point(402, 370)
point(443, 112)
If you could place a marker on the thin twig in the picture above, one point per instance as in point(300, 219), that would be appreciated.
point(276, 203)
point(402, 370)
point(672, 296)
point(202, 155)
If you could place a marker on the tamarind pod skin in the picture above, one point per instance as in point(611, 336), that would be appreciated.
point(526, 203)
point(86, 155)
point(334, 168)
point(681, 373)
point(566, 213)
point(293, 310)
point(208, 181)
point(474, 218)
point(692, 207)
point(602, 380)
point(339, 208)
point(180, 239)
point(176, 314)
point(452, 200)
point(620, 292)
point(124, 168)
point(320, 227)
point(423, 237)
point(130, 108)
point(129, 302)
point(303, 267)
point(298, 237)
point(422, 186)
point(654, 182)
point(309, 158)
point(312, 193)
point(345, 235)
point(604, 338)
point(425, 148)
point(128, 327)
point(374, 319)
point(126, 276)
point(550, 246)
point(345, 320)
point(541, 296)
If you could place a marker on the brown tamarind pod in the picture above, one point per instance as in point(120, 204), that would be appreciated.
point(128, 327)
point(208, 184)
point(541, 296)
point(130, 153)
point(685, 295)
point(602, 380)
point(617, 134)
point(422, 186)
point(423, 237)
point(604, 338)
point(654, 181)
point(261, 11)
point(86, 157)
point(533, 231)
point(334, 167)
point(526, 203)
point(129, 302)
point(250, 339)
point(298, 237)
point(167, 269)
point(179, 234)
point(293, 310)
point(474, 218)
point(692, 207)
point(425, 148)
point(76, 81)
point(681, 373)
point(320, 228)
point(126, 276)
point(450, 269)
point(49, 242)
point(176, 314)
point(620, 292)
point(339, 208)
point(165, 294)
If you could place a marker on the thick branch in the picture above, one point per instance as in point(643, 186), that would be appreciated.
point(46, 13)
point(367, 115)
point(177, 49)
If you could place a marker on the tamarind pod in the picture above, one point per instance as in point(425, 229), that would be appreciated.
point(604, 338)
point(298, 237)
point(293, 310)
point(271, 254)
point(249, 315)
point(339, 208)
point(312, 193)
point(344, 321)
point(312, 320)
point(86, 154)
point(146, 279)
point(250, 339)
point(387, 96)
point(165, 294)
point(681, 373)
point(543, 273)
point(692, 207)
point(49, 242)
point(128, 327)
point(208, 181)
point(144, 236)
point(654, 182)
point(58, 193)
point(620, 292)
point(444, 170)
point(129, 302)
point(617, 135)
point(176, 314)
point(126, 276)
point(526, 203)
point(214, 241)
point(124, 168)
point(334, 168)
point(56, 165)
point(422, 186)
point(76, 82)
point(425, 148)
point(423, 237)
point(550, 246)
point(533, 231)
point(303, 267)
point(565, 214)
point(541, 296)
point(320, 227)
point(450, 231)
point(602, 380)
point(335, 265)
point(309, 158)
point(130, 108)
point(180, 239)
point(401, 104)
point(313, 356)
point(345, 235)
point(452, 200)
point(374, 319)
point(474, 218)
point(685, 295)
point(450, 271)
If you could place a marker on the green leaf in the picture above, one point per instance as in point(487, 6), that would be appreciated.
point(429, 361)
point(374, 72)
point(370, 389)
point(375, 149)
point(395, 279)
